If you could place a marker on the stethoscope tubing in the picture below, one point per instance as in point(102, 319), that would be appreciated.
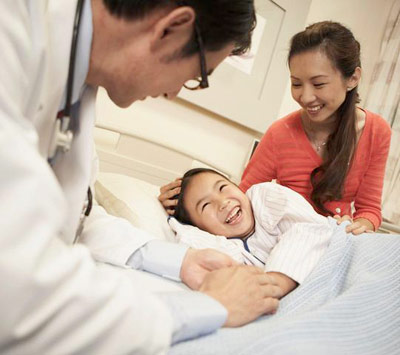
point(72, 58)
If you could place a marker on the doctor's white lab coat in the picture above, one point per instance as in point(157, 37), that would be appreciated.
point(53, 298)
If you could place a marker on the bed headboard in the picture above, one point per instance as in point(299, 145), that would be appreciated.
point(122, 152)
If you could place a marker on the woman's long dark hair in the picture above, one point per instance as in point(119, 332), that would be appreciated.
point(343, 50)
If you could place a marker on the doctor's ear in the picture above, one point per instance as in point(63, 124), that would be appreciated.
point(173, 30)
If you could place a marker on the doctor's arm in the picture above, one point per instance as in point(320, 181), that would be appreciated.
point(115, 241)
point(111, 239)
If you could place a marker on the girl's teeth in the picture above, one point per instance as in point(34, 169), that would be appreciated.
point(233, 214)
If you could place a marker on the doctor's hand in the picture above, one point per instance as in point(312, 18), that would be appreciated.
point(358, 226)
point(167, 194)
point(197, 263)
point(245, 291)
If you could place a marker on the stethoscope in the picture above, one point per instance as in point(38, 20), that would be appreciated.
point(63, 133)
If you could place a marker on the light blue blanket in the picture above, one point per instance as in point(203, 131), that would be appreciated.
point(350, 304)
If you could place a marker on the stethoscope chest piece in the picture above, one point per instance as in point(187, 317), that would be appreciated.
point(61, 139)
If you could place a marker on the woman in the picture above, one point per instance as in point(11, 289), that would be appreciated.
point(330, 151)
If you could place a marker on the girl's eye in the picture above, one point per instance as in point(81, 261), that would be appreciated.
point(204, 206)
point(295, 85)
point(221, 187)
point(319, 85)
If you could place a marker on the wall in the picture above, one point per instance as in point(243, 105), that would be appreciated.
point(218, 141)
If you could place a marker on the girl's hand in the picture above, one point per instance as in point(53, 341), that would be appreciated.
point(359, 226)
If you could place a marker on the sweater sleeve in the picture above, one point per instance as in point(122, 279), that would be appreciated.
point(262, 166)
point(368, 199)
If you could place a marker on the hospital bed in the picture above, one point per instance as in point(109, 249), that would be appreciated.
point(349, 305)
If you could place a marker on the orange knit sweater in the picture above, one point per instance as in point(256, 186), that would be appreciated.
point(286, 154)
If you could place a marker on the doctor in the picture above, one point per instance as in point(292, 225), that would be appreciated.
point(54, 299)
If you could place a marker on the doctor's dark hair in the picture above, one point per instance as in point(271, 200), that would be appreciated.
point(343, 50)
point(180, 212)
point(220, 22)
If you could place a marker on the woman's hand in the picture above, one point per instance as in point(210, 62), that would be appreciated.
point(167, 194)
point(358, 226)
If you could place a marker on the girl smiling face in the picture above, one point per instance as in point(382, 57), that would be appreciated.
point(218, 206)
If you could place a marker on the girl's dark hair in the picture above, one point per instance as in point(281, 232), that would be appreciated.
point(343, 50)
point(180, 212)
point(220, 22)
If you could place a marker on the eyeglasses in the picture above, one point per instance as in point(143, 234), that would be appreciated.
point(202, 81)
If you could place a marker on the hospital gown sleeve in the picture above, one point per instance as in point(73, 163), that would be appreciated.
point(298, 234)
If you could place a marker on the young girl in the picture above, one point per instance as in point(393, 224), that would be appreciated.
point(270, 226)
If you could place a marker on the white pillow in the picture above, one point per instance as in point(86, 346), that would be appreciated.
point(135, 200)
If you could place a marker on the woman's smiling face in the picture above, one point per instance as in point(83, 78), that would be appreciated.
point(218, 206)
point(317, 86)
